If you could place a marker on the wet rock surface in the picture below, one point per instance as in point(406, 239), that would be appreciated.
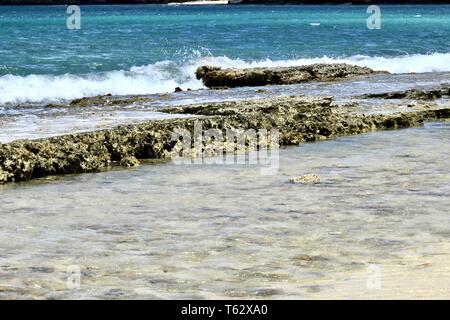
point(305, 179)
point(215, 77)
point(106, 100)
point(129, 162)
point(413, 94)
point(298, 119)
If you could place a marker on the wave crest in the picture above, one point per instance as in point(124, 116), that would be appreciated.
point(164, 76)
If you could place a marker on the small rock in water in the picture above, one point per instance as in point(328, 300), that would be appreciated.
point(129, 162)
point(267, 292)
point(305, 179)
point(178, 89)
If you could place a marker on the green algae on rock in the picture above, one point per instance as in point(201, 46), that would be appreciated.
point(215, 77)
point(297, 119)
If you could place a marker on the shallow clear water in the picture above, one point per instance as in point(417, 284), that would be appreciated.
point(182, 231)
point(154, 48)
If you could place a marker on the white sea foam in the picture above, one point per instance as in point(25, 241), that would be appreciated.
point(164, 76)
point(418, 63)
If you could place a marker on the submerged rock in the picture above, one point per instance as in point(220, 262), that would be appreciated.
point(104, 101)
point(414, 94)
point(306, 179)
point(90, 101)
point(215, 77)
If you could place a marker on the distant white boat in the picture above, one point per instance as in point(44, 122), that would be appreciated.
point(199, 3)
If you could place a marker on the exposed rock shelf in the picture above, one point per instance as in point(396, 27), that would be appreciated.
point(216, 77)
point(298, 119)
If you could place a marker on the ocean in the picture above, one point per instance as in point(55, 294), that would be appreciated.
point(147, 49)
point(167, 230)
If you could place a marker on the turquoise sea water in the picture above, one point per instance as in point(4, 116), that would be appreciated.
point(152, 48)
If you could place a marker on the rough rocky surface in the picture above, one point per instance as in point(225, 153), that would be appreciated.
point(215, 77)
point(129, 162)
point(414, 94)
point(107, 100)
point(298, 119)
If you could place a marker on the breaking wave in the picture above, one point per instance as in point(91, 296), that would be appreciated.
point(164, 76)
